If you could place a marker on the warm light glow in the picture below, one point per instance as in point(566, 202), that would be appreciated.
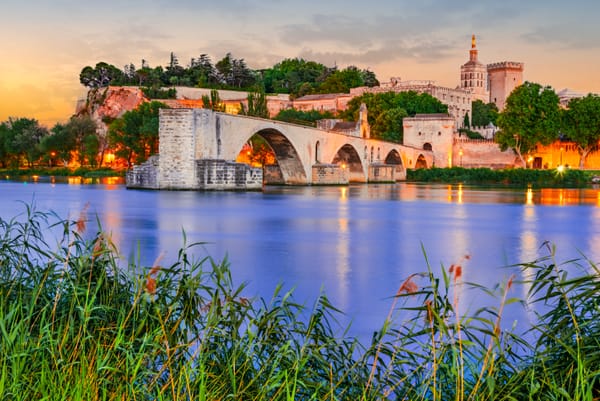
point(460, 193)
point(529, 200)
point(343, 193)
point(35, 177)
point(560, 168)
point(343, 165)
point(110, 157)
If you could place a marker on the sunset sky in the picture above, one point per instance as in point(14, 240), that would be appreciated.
point(46, 43)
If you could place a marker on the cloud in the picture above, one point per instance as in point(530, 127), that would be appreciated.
point(565, 36)
point(422, 51)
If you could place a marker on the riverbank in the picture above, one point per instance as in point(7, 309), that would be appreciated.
point(74, 325)
point(84, 172)
point(568, 178)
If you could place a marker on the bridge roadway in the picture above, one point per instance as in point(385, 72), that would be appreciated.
point(187, 136)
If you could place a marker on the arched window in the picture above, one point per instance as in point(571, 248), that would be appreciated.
point(366, 150)
point(317, 152)
point(378, 154)
point(371, 154)
point(427, 146)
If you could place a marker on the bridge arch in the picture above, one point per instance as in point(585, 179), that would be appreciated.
point(288, 159)
point(421, 162)
point(349, 158)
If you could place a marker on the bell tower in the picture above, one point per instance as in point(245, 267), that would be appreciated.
point(473, 75)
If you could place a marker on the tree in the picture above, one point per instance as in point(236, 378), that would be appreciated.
point(290, 75)
point(388, 124)
point(385, 123)
point(100, 76)
point(135, 134)
point(213, 102)
point(5, 156)
point(302, 117)
point(483, 114)
point(341, 81)
point(22, 139)
point(531, 117)
point(60, 144)
point(257, 105)
point(260, 152)
point(466, 122)
point(581, 124)
point(79, 129)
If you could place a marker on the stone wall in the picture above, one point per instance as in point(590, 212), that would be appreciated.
point(382, 173)
point(272, 175)
point(471, 153)
point(177, 130)
point(329, 174)
point(433, 132)
point(222, 174)
point(144, 175)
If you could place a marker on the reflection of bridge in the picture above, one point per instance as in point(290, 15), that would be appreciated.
point(198, 148)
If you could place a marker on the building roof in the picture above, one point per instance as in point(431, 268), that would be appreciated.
point(433, 115)
point(323, 96)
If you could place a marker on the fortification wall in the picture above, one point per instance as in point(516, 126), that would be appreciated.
point(472, 153)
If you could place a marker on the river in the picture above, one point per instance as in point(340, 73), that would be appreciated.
point(356, 243)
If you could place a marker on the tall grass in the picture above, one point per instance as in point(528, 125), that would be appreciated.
point(74, 325)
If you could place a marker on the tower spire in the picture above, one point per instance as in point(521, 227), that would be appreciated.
point(473, 42)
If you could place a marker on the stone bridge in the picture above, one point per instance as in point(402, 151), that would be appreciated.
point(198, 149)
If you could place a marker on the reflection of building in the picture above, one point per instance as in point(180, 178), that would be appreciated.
point(473, 76)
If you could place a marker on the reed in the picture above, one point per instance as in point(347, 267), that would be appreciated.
point(75, 324)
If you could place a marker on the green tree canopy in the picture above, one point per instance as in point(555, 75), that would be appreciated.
point(290, 75)
point(135, 134)
point(100, 76)
point(302, 117)
point(79, 130)
point(61, 144)
point(385, 123)
point(21, 139)
point(257, 105)
point(483, 114)
point(581, 124)
point(531, 117)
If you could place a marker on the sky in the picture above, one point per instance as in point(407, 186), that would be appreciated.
point(46, 43)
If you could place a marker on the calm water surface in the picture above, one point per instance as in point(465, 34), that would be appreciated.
point(356, 243)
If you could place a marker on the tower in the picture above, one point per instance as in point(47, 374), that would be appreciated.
point(503, 77)
point(473, 75)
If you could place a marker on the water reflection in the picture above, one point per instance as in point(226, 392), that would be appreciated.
point(343, 246)
point(359, 242)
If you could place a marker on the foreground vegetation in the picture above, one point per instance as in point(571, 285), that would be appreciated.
point(517, 177)
point(62, 172)
point(76, 325)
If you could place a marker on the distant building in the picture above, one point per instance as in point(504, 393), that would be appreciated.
point(473, 75)
point(566, 95)
point(458, 100)
point(503, 77)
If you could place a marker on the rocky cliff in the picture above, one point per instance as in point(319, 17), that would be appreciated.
point(107, 104)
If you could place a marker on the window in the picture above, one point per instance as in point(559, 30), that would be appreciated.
point(317, 150)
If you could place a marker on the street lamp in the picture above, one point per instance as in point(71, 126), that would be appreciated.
point(52, 154)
